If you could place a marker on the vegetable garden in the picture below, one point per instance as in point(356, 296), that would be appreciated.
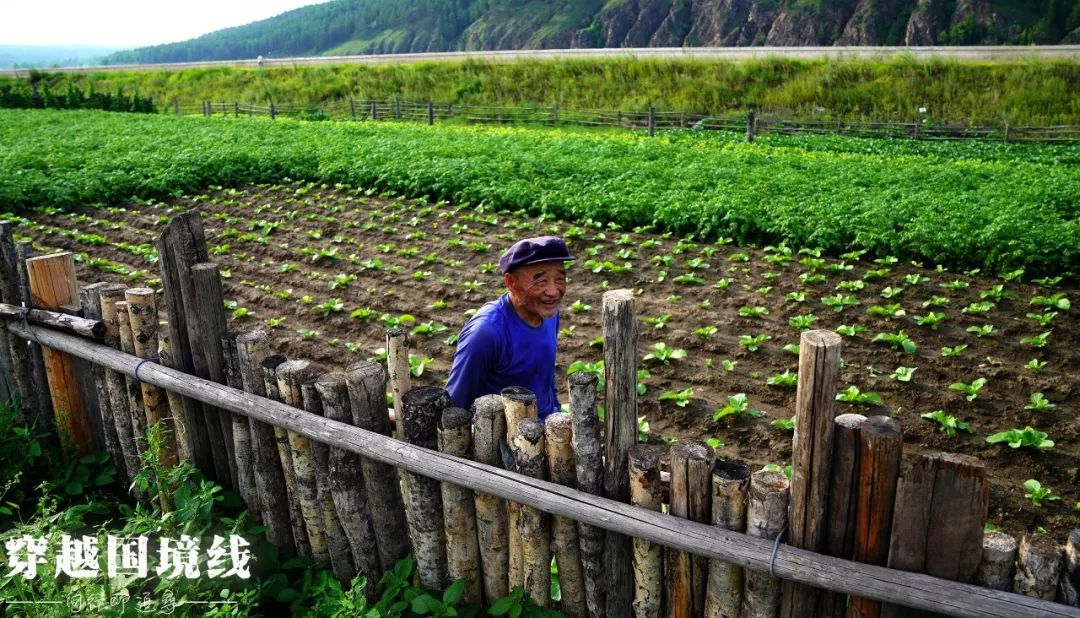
point(732, 249)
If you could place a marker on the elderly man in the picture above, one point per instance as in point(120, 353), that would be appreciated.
point(511, 341)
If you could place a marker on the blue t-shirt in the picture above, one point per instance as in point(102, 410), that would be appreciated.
point(497, 349)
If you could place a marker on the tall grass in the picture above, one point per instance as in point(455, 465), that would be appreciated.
point(1035, 92)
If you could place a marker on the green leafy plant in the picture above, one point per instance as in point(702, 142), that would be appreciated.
point(680, 398)
point(1023, 438)
point(839, 302)
point(886, 312)
point(428, 329)
point(1043, 319)
point(308, 334)
point(970, 391)
point(330, 307)
point(1037, 341)
point(955, 350)
point(417, 363)
point(853, 395)
point(1057, 300)
point(851, 331)
point(664, 354)
point(738, 405)
point(753, 342)
point(984, 330)
point(898, 341)
point(659, 321)
point(1039, 402)
point(1035, 365)
point(948, 424)
point(802, 322)
point(728, 365)
point(787, 379)
point(579, 307)
point(753, 312)
point(705, 332)
point(931, 319)
point(1038, 494)
point(787, 424)
point(903, 374)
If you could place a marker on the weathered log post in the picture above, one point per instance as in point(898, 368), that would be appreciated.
point(691, 490)
point(1070, 574)
point(751, 126)
point(90, 299)
point(21, 361)
point(39, 381)
point(843, 501)
point(459, 512)
point(83, 369)
point(519, 404)
point(422, 408)
point(812, 452)
point(206, 326)
point(270, 367)
point(116, 383)
point(133, 389)
point(52, 284)
point(142, 313)
point(347, 485)
point(241, 432)
point(766, 518)
point(8, 294)
point(337, 543)
point(620, 392)
point(998, 565)
point(290, 376)
point(534, 525)
point(730, 482)
point(1038, 567)
point(252, 351)
point(489, 428)
point(879, 466)
point(366, 382)
point(589, 465)
point(558, 435)
point(646, 492)
point(397, 365)
point(176, 401)
point(182, 244)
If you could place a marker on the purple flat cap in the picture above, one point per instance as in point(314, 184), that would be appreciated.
point(533, 251)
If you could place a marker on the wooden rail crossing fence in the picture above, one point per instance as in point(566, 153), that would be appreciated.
point(490, 495)
point(650, 120)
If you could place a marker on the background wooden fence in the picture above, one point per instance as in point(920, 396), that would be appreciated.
point(490, 495)
point(650, 120)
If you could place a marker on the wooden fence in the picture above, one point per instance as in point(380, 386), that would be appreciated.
point(650, 120)
point(490, 495)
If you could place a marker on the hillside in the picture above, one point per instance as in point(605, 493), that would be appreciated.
point(407, 26)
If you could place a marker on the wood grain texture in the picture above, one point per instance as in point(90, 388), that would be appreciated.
point(241, 432)
point(843, 500)
point(42, 409)
point(687, 575)
point(459, 511)
point(489, 427)
point(206, 326)
point(620, 433)
point(89, 297)
point(1069, 594)
point(534, 525)
point(589, 467)
point(1038, 567)
point(766, 517)
point(337, 542)
point(565, 543)
point(281, 442)
point(998, 565)
point(645, 492)
point(422, 407)
point(52, 284)
point(730, 484)
point(290, 377)
point(397, 366)
point(916, 590)
point(519, 404)
point(143, 318)
point(812, 456)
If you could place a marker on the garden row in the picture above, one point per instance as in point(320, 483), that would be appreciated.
point(999, 215)
point(326, 270)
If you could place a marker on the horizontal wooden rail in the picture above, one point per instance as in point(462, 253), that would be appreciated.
point(61, 321)
point(899, 587)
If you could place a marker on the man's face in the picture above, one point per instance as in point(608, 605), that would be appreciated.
point(537, 289)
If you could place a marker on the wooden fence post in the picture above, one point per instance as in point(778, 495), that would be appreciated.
point(1038, 567)
point(397, 364)
point(589, 464)
point(534, 525)
point(730, 482)
point(337, 543)
point(1070, 574)
point(519, 404)
point(374, 112)
point(1006, 136)
point(691, 489)
point(489, 428)
point(843, 502)
point(116, 383)
point(252, 350)
point(206, 326)
point(766, 517)
point(290, 375)
point(21, 364)
point(558, 435)
point(53, 283)
point(620, 388)
point(182, 245)
point(652, 121)
point(38, 380)
point(459, 511)
point(397, 108)
point(142, 314)
point(90, 299)
point(367, 397)
point(347, 485)
point(241, 432)
point(300, 538)
point(812, 452)
point(879, 466)
point(132, 387)
point(646, 492)
point(423, 407)
point(751, 126)
point(431, 113)
point(998, 565)
point(273, 112)
point(352, 107)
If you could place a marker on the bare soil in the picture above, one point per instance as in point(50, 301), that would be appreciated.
point(400, 233)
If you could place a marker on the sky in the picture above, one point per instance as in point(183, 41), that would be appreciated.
point(127, 23)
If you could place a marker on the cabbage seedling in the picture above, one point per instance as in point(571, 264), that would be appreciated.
point(1038, 494)
point(948, 424)
point(970, 391)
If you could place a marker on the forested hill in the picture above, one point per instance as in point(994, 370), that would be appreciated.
point(402, 26)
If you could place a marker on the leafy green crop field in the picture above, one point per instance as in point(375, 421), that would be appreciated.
point(990, 206)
